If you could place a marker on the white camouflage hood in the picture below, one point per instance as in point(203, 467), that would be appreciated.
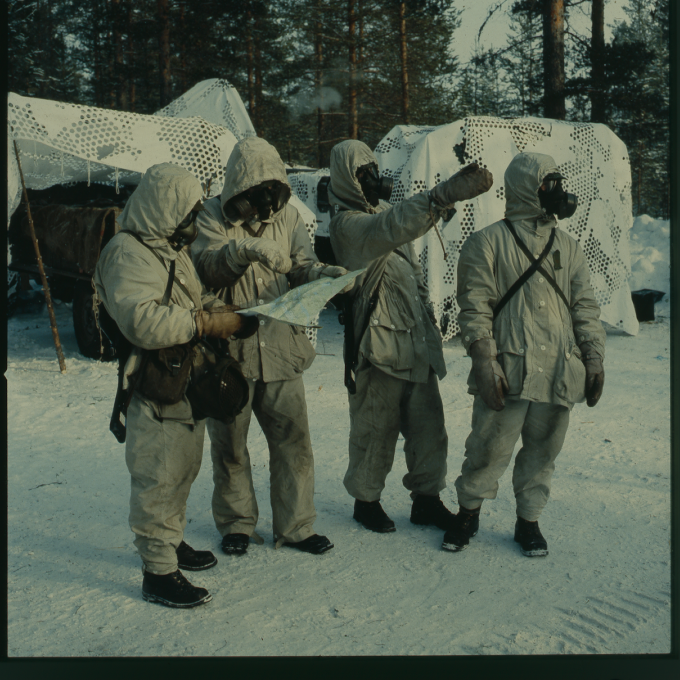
point(523, 177)
point(164, 197)
point(251, 162)
point(344, 188)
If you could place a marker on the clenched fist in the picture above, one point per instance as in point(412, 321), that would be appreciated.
point(263, 250)
point(467, 183)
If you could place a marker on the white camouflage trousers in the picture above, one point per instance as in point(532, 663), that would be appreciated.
point(163, 458)
point(382, 407)
point(489, 448)
point(281, 411)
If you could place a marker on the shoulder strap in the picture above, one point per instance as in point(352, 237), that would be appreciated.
point(535, 265)
point(398, 252)
point(545, 273)
point(352, 342)
point(162, 261)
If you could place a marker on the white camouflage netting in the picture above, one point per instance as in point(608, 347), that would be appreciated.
point(591, 156)
point(216, 101)
point(63, 143)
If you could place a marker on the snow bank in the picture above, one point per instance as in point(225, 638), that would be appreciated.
point(650, 258)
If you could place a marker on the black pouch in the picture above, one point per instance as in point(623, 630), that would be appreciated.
point(217, 388)
point(165, 373)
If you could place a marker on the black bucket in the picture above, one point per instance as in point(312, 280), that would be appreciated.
point(644, 301)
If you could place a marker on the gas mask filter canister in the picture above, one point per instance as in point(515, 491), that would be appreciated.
point(375, 188)
point(187, 230)
point(554, 199)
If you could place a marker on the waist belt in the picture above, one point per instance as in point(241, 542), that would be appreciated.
point(535, 266)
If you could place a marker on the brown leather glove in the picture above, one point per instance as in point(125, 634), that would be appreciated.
point(464, 185)
point(594, 373)
point(221, 322)
point(489, 376)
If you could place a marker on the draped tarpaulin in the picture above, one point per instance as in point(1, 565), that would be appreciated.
point(591, 156)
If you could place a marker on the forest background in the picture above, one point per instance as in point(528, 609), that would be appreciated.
point(314, 72)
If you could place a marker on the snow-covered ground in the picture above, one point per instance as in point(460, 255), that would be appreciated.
point(74, 579)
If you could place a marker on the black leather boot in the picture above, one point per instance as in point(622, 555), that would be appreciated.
point(173, 590)
point(373, 517)
point(463, 527)
point(530, 539)
point(235, 544)
point(194, 560)
point(315, 545)
point(431, 511)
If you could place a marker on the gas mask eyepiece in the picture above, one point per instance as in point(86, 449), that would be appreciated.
point(259, 202)
point(187, 230)
point(554, 199)
point(375, 188)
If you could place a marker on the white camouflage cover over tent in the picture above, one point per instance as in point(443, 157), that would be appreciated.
point(216, 101)
point(591, 156)
point(62, 143)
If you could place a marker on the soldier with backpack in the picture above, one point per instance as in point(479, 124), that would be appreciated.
point(394, 360)
point(148, 285)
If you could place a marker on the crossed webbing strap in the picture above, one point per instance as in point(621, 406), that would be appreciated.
point(535, 266)
point(172, 277)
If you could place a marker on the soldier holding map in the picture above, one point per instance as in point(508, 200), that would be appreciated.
point(253, 204)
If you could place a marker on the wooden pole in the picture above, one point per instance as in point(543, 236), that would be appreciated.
point(46, 288)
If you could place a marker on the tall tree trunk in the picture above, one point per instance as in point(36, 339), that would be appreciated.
point(360, 66)
point(258, 78)
point(318, 85)
point(597, 92)
point(132, 92)
point(250, 59)
point(404, 65)
point(97, 58)
point(553, 59)
point(47, 61)
point(182, 49)
point(121, 93)
point(352, 98)
point(164, 51)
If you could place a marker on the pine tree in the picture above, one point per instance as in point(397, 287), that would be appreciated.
point(638, 73)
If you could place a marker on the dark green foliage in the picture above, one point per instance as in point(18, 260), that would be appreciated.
point(308, 80)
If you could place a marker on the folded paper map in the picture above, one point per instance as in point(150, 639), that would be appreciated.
point(301, 306)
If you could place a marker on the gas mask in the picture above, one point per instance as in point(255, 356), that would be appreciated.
point(187, 230)
point(374, 187)
point(554, 199)
point(259, 202)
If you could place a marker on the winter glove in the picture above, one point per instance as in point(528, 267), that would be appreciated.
point(489, 376)
point(329, 271)
point(221, 322)
point(263, 250)
point(464, 185)
point(594, 373)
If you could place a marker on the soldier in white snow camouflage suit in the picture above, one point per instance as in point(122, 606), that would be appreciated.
point(254, 206)
point(164, 442)
point(399, 358)
point(532, 360)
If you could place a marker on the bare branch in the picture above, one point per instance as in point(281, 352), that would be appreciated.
point(578, 38)
point(488, 16)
